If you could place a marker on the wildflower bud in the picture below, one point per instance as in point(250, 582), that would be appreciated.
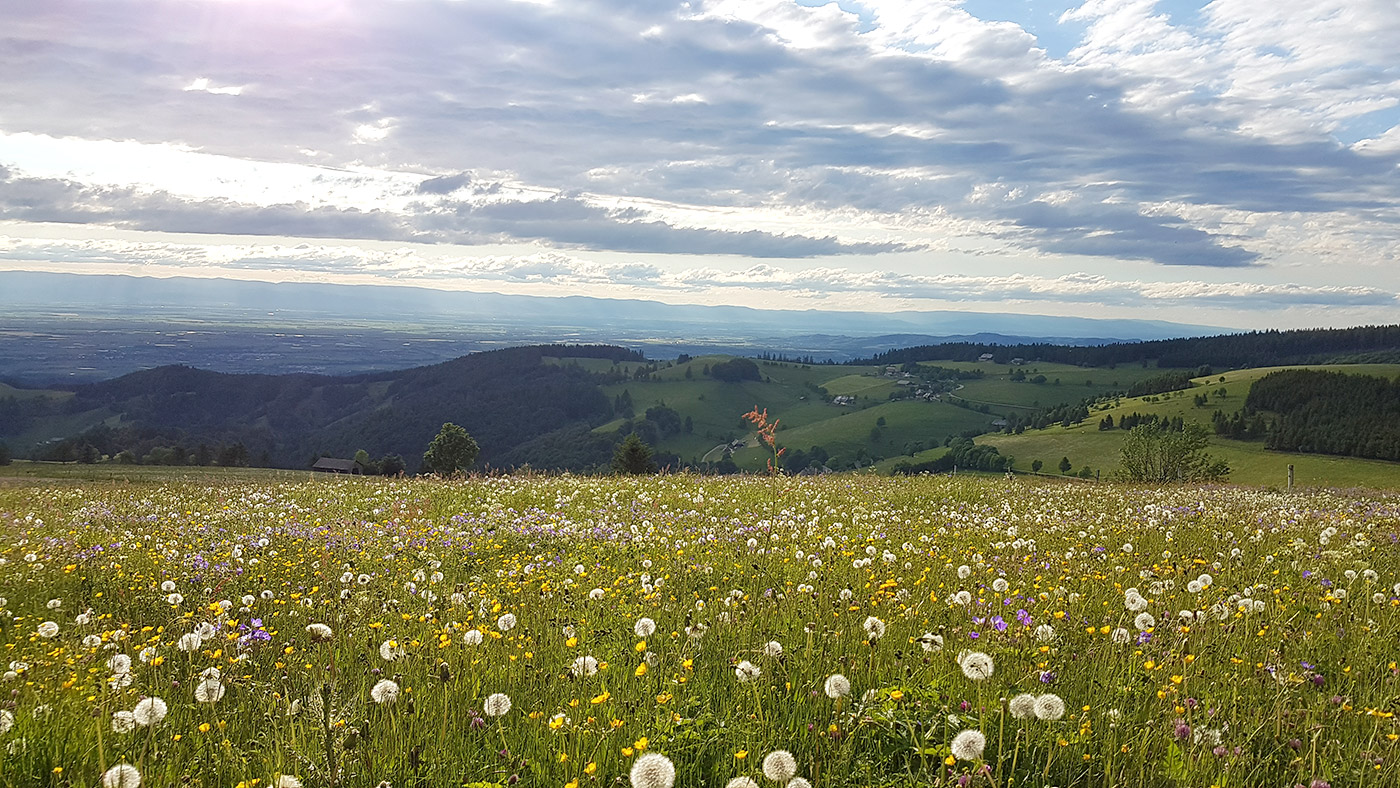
point(444, 672)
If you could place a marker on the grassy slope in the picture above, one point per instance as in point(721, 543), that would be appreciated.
point(7, 390)
point(787, 392)
point(1076, 383)
point(906, 422)
point(24, 469)
point(1249, 461)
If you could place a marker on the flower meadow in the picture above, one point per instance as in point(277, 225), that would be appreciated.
point(693, 631)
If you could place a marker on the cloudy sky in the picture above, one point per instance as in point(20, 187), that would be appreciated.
point(1234, 163)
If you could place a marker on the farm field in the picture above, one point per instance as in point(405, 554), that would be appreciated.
point(566, 631)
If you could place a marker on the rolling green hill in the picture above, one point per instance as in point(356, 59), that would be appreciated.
point(1250, 463)
point(566, 408)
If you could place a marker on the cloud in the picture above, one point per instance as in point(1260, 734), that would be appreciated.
point(899, 107)
point(564, 221)
point(429, 264)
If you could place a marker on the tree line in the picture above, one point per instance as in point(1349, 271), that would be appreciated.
point(1368, 344)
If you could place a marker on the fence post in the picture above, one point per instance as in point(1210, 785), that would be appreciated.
point(1290, 476)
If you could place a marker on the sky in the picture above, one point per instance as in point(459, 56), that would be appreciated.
point(1232, 163)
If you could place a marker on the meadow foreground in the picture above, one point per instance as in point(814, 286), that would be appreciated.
point(842, 631)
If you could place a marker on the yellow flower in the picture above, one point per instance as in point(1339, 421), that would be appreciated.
point(627, 752)
point(571, 784)
point(640, 647)
point(641, 670)
point(204, 727)
point(590, 768)
point(741, 754)
point(601, 698)
point(896, 695)
point(640, 744)
point(663, 697)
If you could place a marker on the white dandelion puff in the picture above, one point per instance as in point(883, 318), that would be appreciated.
point(747, 671)
point(1049, 707)
point(977, 666)
point(874, 628)
point(209, 690)
point(123, 775)
point(968, 745)
point(779, 766)
point(837, 686)
point(652, 770)
point(584, 666)
point(497, 704)
point(385, 692)
point(1022, 706)
point(149, 711)
point(123, 722)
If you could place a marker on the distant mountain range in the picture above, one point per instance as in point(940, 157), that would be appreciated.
point(70, 327)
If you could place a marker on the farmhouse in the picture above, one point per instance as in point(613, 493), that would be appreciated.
point(334, 465)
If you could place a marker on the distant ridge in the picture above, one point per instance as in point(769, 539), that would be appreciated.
point(35, 289)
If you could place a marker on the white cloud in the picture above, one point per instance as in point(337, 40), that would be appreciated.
point(1251, 133)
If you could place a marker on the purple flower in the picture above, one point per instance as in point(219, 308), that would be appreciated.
point(1048, 677)
point(999, 623)
point(1023, 617)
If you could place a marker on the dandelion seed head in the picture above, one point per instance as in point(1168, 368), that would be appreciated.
point(385, 692)
point(1049, 707)
point(837, 686)
point(652, 770)
point(149, 711)
point(977, 665)
point(123, 775)
point(1022, 706)
point(497, 704)
point(779, 766)
point(969, 745)
point(746, 671)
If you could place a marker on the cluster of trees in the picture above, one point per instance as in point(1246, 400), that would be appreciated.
point(1066, 415)
point(735, 370)
point(388, 465)
point(1160, 384)
point(1329, 413)
point(1239, 426)
point(1252, 349)
point(962, 453)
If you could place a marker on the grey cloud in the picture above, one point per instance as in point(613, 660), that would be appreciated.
point(558, 94)
point(445, 184)
point(566, 221)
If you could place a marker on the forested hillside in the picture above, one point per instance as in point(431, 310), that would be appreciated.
point(1365, 344)
point(179, 415)
point(1329, 413)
